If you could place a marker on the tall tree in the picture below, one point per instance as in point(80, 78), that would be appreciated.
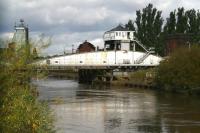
point(139, 35)
point(192, 21)
point(197, 36)
point(181, 25)
point(159, 45)
point(130, 25)
point(149, 26)
point(185, 22)
point(170, 26)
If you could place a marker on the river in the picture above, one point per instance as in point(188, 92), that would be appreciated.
point(95, 109)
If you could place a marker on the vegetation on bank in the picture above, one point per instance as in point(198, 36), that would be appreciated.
point(138, 78)
point(181, 71)
point(20, 111)
point(143, 75)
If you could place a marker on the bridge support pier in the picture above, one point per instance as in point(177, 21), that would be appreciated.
point(88, 75)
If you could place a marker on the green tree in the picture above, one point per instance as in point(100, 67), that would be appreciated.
point(130, 25)
point(192, 26)
point(170, 26)
point(184, 22)
point(149, 27)
point(197, 35)
point(181, 25)
point(159, 45)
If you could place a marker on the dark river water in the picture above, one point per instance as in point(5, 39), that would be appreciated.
point(94, 109)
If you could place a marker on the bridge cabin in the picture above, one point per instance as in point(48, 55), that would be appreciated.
point(119, 38)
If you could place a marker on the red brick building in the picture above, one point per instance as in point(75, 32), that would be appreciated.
point(85, 47)
point(176, 41)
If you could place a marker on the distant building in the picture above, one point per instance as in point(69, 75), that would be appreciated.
point(21, 35)
point(85, 47)
point(175, 41)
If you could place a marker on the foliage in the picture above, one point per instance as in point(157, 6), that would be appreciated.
point(138, 75)
point(142, 75)
point(181, 71)
point(20, 110)
point(181, 25)
point(148, 27)
point(170, 26)
point(184, 22)
point(35, 54)
point(152, 33)
point(130, 25)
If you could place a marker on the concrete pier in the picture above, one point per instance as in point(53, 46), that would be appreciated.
point(89, 75)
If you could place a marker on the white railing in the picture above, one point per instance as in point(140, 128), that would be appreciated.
point(140, 44)
point(143, 57)
point(148, 52)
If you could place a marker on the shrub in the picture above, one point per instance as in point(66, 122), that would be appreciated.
point(20, 111)
point(181, 71)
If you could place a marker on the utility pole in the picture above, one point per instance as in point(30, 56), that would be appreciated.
point(115, 47)
point(72, 48)
point(64, 50)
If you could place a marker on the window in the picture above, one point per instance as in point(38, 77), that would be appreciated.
point(123, 34)
point(119, 33)
point(128, 35)
point(116, 33)
point(56, 61)
point(107, 46)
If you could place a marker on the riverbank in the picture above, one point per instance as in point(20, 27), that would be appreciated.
point(145, 79)
point(140, 78)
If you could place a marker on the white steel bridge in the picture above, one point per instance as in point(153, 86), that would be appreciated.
point(121, 58)
point(119, 51)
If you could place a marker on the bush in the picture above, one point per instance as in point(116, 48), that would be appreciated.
point(181, 71)
point(20, 111)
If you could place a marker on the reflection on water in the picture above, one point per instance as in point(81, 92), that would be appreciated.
point(87, 109)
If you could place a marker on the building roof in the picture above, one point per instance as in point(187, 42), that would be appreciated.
point(119, 28)
point(86, 43)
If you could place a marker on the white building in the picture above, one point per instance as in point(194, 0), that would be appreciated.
point(119, 38)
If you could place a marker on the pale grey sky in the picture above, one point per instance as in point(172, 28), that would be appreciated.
point(73, 21)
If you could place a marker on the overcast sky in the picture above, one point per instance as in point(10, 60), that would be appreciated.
point(74, 21)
